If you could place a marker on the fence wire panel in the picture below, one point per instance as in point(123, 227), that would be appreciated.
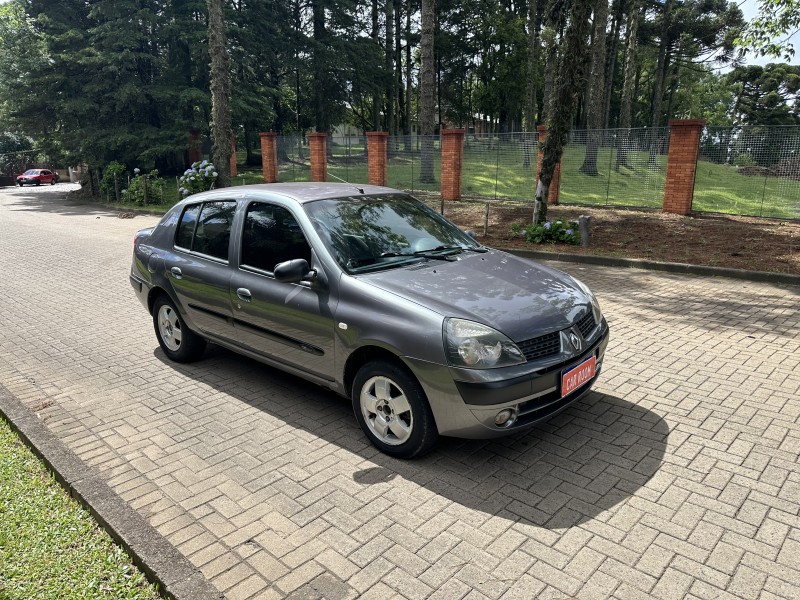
point(753, 171)
point(293, 158)
point(347, 159)
point(414, 163)
point(500, 166)
point(615, 167)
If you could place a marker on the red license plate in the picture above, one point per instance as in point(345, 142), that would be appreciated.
point(574, 378)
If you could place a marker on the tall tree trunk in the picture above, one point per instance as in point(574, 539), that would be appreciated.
point(612, 49)
point(398, 70)
point(550, 65)
point(562, 107)
point(597, 89)
point(658, 86)
point(320, 75)
point(389, 64)
point(376, 98)
point(532, 80)
point(221, 130)
point(407, 122)
point(627, 86)
point(427, 91)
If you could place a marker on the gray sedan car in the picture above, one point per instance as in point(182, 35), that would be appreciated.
point(370, 293)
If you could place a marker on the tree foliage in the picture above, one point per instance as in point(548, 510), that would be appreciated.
point(129, 80)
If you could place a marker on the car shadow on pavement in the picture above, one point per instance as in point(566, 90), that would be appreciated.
point(563, 472)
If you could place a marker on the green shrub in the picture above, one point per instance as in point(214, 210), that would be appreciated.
point(147, 188)
point(566, 232)
point(112, 170)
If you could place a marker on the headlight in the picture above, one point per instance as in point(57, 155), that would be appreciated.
point(476, 346)
point(596, 312)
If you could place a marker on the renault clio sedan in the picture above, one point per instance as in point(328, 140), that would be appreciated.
point(370, 293)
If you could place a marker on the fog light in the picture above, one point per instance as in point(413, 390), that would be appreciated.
point(506, 417)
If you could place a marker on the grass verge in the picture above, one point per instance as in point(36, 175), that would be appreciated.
point(50, 547)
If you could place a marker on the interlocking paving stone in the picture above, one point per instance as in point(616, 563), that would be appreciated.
point(676, 478)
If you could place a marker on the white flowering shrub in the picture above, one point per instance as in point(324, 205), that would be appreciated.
point(197, 178)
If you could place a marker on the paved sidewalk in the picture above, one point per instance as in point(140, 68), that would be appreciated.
point(677, 478)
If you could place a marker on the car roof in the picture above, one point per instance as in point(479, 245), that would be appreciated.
point(306, 191)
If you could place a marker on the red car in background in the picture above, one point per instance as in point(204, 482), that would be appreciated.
point(37, 177)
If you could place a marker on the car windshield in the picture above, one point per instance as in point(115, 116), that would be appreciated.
point(32, 172)
point(368, 233)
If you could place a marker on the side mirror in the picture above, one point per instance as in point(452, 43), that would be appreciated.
point(293, 271)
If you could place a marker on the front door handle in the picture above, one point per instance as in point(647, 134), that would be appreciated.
point(176, 272)
point(244, 294)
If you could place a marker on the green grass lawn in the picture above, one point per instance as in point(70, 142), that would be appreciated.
point(50, 547)
point(498, 172)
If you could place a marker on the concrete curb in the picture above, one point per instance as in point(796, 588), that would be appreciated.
point(686, 269)
point(159, 560)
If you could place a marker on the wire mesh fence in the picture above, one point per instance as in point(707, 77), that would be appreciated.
point(293, 158)
point(753, 171)
point(347, 159)
point(414, 163)
point(615, 167)
point(499, 166)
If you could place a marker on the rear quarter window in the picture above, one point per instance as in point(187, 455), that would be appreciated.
point(186, 227)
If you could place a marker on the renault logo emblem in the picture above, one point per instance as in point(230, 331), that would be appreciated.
point(575, 340)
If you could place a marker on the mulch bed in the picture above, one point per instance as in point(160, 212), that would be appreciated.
point(749, 243)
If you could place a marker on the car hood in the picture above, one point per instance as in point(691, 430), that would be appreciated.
point(520, 298)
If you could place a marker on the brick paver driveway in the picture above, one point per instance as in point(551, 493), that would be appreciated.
point(677, 478)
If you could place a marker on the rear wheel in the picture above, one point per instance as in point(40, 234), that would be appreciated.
point(391, 408)
point(52, 182)
point(178, 342)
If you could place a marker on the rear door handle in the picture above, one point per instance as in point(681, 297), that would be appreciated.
point(176, 272)
point(244, 294)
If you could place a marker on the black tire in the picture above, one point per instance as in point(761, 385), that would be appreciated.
point(178, 342)
point(400, 406)
point(52, 182)
point(20, 184)
point(38, 182)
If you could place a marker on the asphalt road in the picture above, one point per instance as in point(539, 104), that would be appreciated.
point(677, 478)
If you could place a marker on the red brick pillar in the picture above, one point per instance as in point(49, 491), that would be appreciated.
point(195, 147)
point(452, 157)
point(684, 146)
point(555, 184)
point(319, 157)
point(269, 156)
point(376, 157)
point(234, 170)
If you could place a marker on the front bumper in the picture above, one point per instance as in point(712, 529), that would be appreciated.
point(467, 409)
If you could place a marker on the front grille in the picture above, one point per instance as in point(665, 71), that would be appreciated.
point(542, 346)
point(586, 324)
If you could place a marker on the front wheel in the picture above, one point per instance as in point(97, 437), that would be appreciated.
point(179, 343)
point(391, 408)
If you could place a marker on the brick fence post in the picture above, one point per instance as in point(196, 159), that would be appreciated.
point(376, 157)
point(234, 170)
point(555, 184)
point(684, 147)
point(319, 156)
point(269, 156)
point(452, 157)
